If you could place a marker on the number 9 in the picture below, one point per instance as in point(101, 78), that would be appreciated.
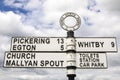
point(112, 44)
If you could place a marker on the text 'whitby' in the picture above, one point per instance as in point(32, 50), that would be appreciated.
point(90, 44)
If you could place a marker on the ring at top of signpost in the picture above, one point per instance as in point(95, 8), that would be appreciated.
point(70, 21)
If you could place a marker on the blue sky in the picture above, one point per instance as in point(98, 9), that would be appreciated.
point(100, 18)
point(5, 8)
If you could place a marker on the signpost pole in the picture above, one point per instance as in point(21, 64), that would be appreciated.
point(71, 56)
point(71, 43)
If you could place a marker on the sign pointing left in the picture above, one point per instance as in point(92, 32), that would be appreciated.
point(32, 59)
point(38, 44)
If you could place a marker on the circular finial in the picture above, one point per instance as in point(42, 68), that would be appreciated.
point(70, 21)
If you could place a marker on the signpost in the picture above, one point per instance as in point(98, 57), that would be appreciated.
point(61, 52)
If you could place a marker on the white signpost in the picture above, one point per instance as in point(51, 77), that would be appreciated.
point(61, 52)
point(58, 44)
point(54, 60)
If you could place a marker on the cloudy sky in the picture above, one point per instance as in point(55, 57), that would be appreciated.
point(100, 18)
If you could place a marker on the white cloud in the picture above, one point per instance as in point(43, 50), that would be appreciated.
point(111, 6)
point(11, 25)
point(103, 24)
point(21, 75)
point(33, 4)
point(4, 43)
point(108, 25)
point(9, 22)
point(111, 73)
point(54, 9)
point(4, 46)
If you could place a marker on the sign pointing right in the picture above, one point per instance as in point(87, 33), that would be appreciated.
point(96, 44)
point(91, 61)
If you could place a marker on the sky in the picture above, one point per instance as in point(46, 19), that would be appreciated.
point(99, 18)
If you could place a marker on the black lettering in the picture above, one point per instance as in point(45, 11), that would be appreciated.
point(80, 44)
point(60, 40)
point(31, 40)
point(21, 41)
point(102, 44)
point(61, 63)
point(8, 62)
point(30, 63)
point(62, 47)
point(14, 47)
point(91, 44)
point(97, 44)
point(15, 40)
point(112, 44)
point(17, 56)
point(28, 56)
point(81, 60)
point(43, 41)
point(80, 64)
point(35, 63)
point(24, 47)
point(48, 40)
point(13, 63)
point(84, 65)
point(86, 44)
point(42, 63)
point(28, 47)
point(19, 47)
point(33, 47)
point(8, 55)
point(23, 56)
point(36, 41)
point(13, 55)
point(33, 55)
point(46, 62)
point(52, 63)
point(102, 64)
